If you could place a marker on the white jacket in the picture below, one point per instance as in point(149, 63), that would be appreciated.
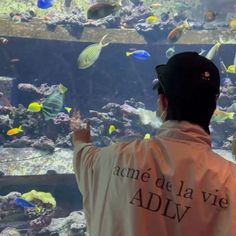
point(171, 185)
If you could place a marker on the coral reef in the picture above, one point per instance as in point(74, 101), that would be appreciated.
point(74, 224)
point(31, 161)
point(45, 144)
point(9, 231)
point(31, 220)
point(43, 89)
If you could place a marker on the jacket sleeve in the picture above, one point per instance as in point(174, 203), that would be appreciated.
point(83, 161)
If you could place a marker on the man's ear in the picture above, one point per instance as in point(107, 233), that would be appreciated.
point(163, 101)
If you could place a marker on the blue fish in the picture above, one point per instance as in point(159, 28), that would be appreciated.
point(44, 4)
point(23, 203)
point(139, 54)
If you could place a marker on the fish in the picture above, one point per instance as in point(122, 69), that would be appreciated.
point(14, 131)
point(45, 4)
point(213, 51)
point(209, 16)
point(24, 203)
point(170, 52)
point(177, 32)
point(14, 60)
point(66, 109)
point(111, 129)
point(100, 10)
point(152, 19)
point(54, 103)
point(35, 107)
point(232, 24)
point(3, 40)
point(139, 54)
point(147, 136)
point(91, 53)
point(182, 6)
point(220, 116)
point(202, 51)
point(231, 69)
point(156, 5)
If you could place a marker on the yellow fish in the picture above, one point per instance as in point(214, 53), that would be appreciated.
point(232, 24)
point(35, 107)
point(111, 129)
point(68, 109)
point(152, 19)
point(147, 136)
point(231, 69)
point(90, 54)
point(220, 116)
point(15, 130)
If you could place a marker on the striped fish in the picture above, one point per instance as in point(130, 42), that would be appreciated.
point(90, 54)
point(54, 103)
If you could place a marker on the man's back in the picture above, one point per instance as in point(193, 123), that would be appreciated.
point(170, 185)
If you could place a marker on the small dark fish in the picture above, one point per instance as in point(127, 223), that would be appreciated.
point(209, 16)
point(44, 4)
point(23, 203)
point(100, 10)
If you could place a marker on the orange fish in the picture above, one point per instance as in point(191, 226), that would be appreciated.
point(15, 130)
point(176, 33)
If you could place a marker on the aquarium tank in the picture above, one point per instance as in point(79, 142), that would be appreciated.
point(58, 57)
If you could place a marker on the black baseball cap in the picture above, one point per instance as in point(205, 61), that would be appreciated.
point(186, 74)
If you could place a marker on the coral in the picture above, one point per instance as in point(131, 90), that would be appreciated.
point(74, 224)
point(42, 196)
point(45, 144)
point(6, 84)
point(23, 141)
point(43, 89)
point(61, 118)
point(9, 231)
point(63, 141)
point(7, 207)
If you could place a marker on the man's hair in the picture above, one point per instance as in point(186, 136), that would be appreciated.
point(197, 108)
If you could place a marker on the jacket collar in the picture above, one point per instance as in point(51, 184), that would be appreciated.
point(184, 130)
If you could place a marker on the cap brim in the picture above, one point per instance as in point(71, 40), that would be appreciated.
point(160, 70)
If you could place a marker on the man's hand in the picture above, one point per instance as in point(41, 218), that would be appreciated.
point(81, 131)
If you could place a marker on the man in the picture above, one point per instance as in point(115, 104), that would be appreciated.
point(172, 184)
